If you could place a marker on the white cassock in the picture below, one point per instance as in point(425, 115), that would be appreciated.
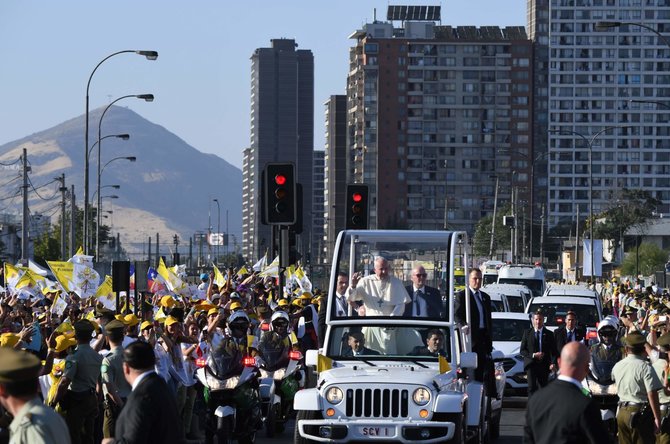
point(380, 298)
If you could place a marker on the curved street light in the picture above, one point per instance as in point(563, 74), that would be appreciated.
point(150, 55)
point(146, 98)
point(603, 26)
point(118, 136)
point(589, 144)
point(218, 229)
point(97, 228)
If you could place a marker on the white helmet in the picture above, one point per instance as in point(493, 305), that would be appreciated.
point(237, 315)
point(610, 321)
point(279, 314)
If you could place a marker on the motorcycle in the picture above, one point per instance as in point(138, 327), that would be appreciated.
point(232, 398)
point(602, 388)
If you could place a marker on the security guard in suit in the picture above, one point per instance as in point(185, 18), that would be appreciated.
point(76, 390)
point(661, 368)
point(34, 422)
point(114, 385)
point(639, 416)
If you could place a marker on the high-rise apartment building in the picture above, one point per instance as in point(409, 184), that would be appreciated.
point(282, 130)
point(335, 173)
point(595, 80)
point(435, 114)
point(318, 195)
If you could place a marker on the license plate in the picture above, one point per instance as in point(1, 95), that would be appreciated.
point(383, 432)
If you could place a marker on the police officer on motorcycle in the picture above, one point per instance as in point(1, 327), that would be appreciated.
point(275, 344)
point(608, 348)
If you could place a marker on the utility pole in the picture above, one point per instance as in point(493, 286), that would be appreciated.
point(149, 250)
point(542, 235)
point(158, 249)
point(63, 191)
point(577, 246)
point(24, 228)
point(446, 210)
point(73, 222)
point(493, 223)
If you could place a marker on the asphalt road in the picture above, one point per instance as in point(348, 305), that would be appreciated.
point(511, 425)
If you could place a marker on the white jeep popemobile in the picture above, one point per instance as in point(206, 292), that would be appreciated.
point(398, 378)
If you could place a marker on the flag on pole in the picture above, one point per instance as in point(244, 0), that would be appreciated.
point(219, 279)
point(272, 269)
point(105, 294)
point(12, 275)
point(303, 280)
point(260, 265)
point(242, 271)
point(63, 272)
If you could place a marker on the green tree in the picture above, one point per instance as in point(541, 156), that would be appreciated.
point(651, 258)
point(46, 248)
point(482, 236)
point(629, 208)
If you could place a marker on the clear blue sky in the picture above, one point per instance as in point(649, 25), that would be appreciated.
point(201, 78)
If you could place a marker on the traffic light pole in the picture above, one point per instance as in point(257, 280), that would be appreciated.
point(283, 258)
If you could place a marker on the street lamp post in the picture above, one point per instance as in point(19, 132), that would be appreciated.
point(98, 218)
point(218, 229)
point(603, 26)
point(589, 143)
point(146, 98)
point(150, 55)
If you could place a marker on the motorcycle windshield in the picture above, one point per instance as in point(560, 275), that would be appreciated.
point(601, 367)
point(274, 351)
point(225, 361)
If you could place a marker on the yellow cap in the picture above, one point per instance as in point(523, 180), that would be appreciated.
point(63, 343)
point(282, 302)
point(119, 317)
point(8, 339)
point(146, 324)
point(170, 320)
point(235, 306)
point(168, 301)
point(306, 295)
point(131, 320)
point(204, 306)
point(212, 311)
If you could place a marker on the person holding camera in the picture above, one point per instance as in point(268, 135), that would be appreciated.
point(639, 416)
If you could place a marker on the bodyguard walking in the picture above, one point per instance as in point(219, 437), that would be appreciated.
point(114, 385)
point(76, 390)
point(639, 417)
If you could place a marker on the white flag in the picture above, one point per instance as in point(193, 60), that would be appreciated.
point(597, 257)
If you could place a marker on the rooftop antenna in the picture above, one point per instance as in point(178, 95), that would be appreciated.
point(374, 15)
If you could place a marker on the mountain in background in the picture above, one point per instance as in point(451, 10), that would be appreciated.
point(168, 190)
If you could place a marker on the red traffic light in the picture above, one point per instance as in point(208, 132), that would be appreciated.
point(280, 179)
point(357, 197)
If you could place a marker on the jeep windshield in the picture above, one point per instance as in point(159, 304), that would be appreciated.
point(394, 274)
point(392, 342)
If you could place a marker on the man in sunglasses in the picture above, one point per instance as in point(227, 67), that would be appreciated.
point(426, 301)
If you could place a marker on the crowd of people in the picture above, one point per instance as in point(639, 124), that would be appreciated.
point(86, 366)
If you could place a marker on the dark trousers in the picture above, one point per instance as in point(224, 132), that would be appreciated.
point(81, 410)
point(537, 376)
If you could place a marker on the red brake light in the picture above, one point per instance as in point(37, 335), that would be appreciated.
point(280, 179)
point(357, 197)
point(591, 334)
point(265, 326)
point(249, 361)
point(295, 355)
point(200, 362)
point(559, 320)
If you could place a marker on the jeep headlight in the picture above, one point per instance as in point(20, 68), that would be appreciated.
point(421, 396)
point(334, 395)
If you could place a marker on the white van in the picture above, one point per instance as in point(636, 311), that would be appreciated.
point(529, 275)
point(517, 295)
point(489, 271)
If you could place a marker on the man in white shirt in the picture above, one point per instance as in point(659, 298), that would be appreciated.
point(382, 294)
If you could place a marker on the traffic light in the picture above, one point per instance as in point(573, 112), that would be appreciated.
point(279, 194)
point(357, 207)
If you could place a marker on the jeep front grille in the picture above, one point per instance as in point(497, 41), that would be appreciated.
point(377, 403)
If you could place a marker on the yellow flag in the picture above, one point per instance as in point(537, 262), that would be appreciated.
point(105, 288)
point(323, 363)
point(444, 364)
point(64, 327)
point(80, 252)
point(12, 274)
point(219, 280)
point(242, 271)
point(63, 272)
point(163, 271)
point(294, 338)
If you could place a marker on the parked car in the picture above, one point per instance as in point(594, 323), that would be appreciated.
point(507, 331)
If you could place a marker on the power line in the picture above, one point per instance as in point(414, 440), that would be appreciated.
point(10, 164)
point(18, 176)
point(42, 186)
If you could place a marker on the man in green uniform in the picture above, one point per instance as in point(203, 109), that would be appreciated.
point(660, 366)
point(33, 423)
point(639, 417)
point(114, 385)
point(76, 390)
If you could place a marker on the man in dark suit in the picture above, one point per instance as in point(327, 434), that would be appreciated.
point(434, 345)
point(150, 414)
point(561, 412)
point(538, 348)
point(357, 346)
point(480, 327)
point(569, 332)
point(426, 301)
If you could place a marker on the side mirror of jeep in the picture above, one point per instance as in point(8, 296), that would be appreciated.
point(311, 358)
point(468, 360)
point(497, 356)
